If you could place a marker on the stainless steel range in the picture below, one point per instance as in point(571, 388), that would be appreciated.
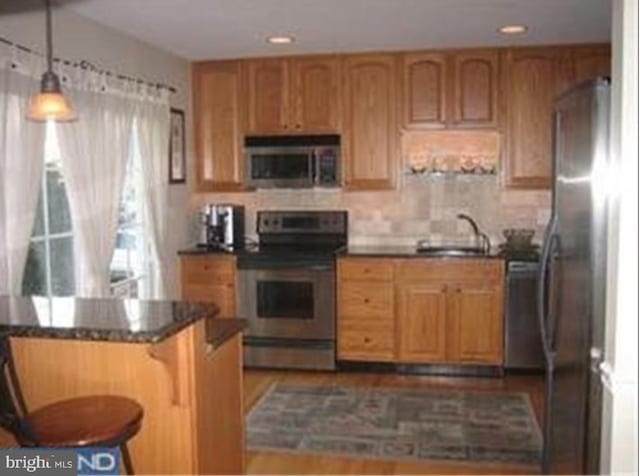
point(287, 289)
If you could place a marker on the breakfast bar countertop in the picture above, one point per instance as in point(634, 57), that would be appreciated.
point(110, 320)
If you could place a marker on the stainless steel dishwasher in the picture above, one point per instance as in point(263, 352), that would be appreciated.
point(522, 343)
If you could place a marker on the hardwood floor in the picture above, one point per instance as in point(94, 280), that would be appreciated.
point(257, 382)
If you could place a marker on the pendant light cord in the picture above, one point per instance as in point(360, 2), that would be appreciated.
point(49, 36)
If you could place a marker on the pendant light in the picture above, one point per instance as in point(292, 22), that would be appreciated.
point(50, 104)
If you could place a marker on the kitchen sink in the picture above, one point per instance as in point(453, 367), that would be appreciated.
point(450, 250)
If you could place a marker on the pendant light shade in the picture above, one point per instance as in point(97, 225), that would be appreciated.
point(50, 104)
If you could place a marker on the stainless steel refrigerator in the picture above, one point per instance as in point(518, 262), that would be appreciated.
point(572, 281)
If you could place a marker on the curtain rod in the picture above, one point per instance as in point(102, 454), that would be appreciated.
point(88, 66)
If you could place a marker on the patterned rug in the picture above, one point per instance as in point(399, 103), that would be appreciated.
point(396, 424)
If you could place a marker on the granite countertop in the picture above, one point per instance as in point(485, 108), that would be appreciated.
point(384, 251)
point(112, 320)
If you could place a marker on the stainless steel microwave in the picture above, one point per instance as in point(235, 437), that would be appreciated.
point(293, 161)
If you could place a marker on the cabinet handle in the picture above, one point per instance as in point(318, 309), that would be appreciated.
point(366, 300)
point(284, 126)
point(367, 340)
point(444, 288)
point(458, 290)
point(298, 126)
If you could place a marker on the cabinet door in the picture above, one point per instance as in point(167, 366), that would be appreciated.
point(315, 94)
point(591, 62)
point(424, 90)
point(475, 89)
point(218, 124)
point(475, 324)
point(268, 95)
point(534, 78)
point(370, 152)
point(421, 323)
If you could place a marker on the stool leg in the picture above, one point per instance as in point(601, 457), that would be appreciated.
point(126, 458)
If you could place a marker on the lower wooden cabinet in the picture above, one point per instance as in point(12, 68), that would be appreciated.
point(439, 311)
point(475, 323)
point(421, 322)
point(210, 278)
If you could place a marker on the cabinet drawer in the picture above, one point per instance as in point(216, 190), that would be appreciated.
point(205, 270)
point(365, 340)
point(454, 269)
point(369, 300)
point(366, 269)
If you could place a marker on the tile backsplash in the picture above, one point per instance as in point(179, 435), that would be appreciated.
point(423, 207)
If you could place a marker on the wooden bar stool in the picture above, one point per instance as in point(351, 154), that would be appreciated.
point(101, 420)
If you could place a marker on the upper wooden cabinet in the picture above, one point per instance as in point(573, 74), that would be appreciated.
point(315, 94)
point(591, 61)
point(475, 89)
point(457, 89)
point(268, 84)
point(370, 136)
point(534, 77)
point(425, 98)
point(293, 95)
point(219, 111)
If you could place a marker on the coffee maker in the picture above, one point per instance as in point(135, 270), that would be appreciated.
point(221, 226)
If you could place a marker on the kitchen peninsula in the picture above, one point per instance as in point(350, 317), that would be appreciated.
point(176, 359)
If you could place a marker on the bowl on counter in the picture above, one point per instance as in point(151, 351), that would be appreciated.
point(518, 237)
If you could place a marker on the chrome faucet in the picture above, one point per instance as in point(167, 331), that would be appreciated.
point(486, 243)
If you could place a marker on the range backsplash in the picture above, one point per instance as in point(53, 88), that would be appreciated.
point(423, 207)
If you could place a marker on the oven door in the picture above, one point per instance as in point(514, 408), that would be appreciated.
point(288, 303)
point(280, 167)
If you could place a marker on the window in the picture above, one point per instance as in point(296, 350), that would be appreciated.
point(131, 265)
point(49, 267)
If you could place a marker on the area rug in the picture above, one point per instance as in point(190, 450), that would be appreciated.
point(399, 423)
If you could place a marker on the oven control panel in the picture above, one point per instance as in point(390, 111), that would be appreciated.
point(316, 222)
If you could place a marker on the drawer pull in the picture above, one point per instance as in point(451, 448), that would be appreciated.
point(367, 340)
point(366, 300)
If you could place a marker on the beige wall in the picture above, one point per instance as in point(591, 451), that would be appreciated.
point(77, 38)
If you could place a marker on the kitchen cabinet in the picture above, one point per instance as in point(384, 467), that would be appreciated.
point(422, 321)
point(370, 136)
point(450, 310)
point(210, 278)
point(219, 109)
point(475, 89)
point(293, 95)
point(457, 89)
point(365, 306)
point(421, 310)
point(475, 323)
point(591, 61)
point(534, 77)
point(425, 98)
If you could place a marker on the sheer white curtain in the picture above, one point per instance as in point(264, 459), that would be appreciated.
point(21, 159)
point(94, 154)
point(153, 128)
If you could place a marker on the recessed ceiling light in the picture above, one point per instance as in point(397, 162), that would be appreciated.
point(280, 39)
point(513, 29)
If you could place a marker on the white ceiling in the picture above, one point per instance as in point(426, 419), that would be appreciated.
point(202, 29)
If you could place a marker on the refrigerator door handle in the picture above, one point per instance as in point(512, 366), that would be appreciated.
point(542, 287)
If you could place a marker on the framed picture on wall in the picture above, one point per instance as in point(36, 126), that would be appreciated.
point(177, 148)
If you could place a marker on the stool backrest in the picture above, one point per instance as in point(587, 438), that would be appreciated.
point(12, 406)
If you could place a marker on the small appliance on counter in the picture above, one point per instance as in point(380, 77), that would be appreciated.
point(221, 226)
point(518, 245)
